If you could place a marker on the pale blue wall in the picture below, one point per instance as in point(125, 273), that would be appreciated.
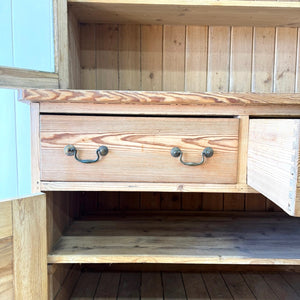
point(26, 30)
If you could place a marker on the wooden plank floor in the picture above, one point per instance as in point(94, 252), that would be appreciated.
point(172, 285)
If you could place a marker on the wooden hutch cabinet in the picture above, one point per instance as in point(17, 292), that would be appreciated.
point(173, 137)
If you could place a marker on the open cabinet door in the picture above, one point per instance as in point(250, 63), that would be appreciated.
point(23, 249)
point(273, 161)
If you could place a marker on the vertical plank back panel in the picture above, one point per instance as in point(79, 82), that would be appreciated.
point(173, 58)
point(151, 57)
point(107, 54)
point(218, 59)
point(129, 57)
point(196, 58)
point(285, 60)
point(263, 59)
point(88, 55)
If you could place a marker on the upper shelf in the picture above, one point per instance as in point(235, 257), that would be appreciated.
point(192, 12)
point(156, 97)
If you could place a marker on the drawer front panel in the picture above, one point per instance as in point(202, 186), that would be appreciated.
point(139, 148)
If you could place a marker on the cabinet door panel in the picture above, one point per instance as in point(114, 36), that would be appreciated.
point(273, 161)
point(23, 252)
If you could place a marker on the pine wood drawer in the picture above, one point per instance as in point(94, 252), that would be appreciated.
point(139, 148)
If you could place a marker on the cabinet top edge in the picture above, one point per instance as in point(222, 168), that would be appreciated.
point(155, 97)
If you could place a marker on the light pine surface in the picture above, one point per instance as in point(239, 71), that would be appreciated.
point(268, 46)
point(125, 96)
point(186, 286)
point(139, 149)
point(273, 161)
point(6, 251)
point(188, 12)
point(30, 247)
point(17, 78)
point(167, 239)
point(23, 253)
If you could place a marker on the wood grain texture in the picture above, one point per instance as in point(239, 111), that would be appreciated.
point(129, 57)
point(35, 147)
point(185, 239)
point(258, 286)
point(263, 59)
point(155, 98)
point(240, 59)
point(150, 200)
point(173, 110)
point(88, 76)
point(192, 12)
point(74, 49)
point(216, 286)
point(173, 286)
point(269, 171)
point(151, 57)
point(129, 287)
point(108, 286)
point(285, 47)
point(243, 148)
point(30, 247)
point(6, 268)
point(145, 187)
point(69, 284)
point(237, 286)
point(137, 143)
point(173, 58)
point(5, 219)
point(218, 59)
point(129, 200)
point(280, 287)
point(191, 201)
point(20, 78)
point(86, 286)
point(196, 58)
point(107, 56)
point(194, 286)
point(151, 286)
point(58, 278)
point(63, 44)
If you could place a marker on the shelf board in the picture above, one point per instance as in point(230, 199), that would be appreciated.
point(196, 12)
point(181, 239)
point(156, 97)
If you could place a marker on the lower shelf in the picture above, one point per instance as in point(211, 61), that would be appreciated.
point(184, 239)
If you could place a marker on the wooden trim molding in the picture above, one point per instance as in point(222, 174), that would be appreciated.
point(156, 98)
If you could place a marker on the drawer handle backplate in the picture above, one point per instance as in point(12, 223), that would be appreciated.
point(207, 152)
point(71, 150)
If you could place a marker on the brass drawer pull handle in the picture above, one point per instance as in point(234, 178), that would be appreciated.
point(207, 152)
point(71, 150)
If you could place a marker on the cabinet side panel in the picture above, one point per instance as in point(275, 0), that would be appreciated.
point(6, 269)
point(273, 158)
point(29, 246)
point(6, 251)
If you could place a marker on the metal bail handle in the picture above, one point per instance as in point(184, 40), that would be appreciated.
point(207, 152)
point(71, 150)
